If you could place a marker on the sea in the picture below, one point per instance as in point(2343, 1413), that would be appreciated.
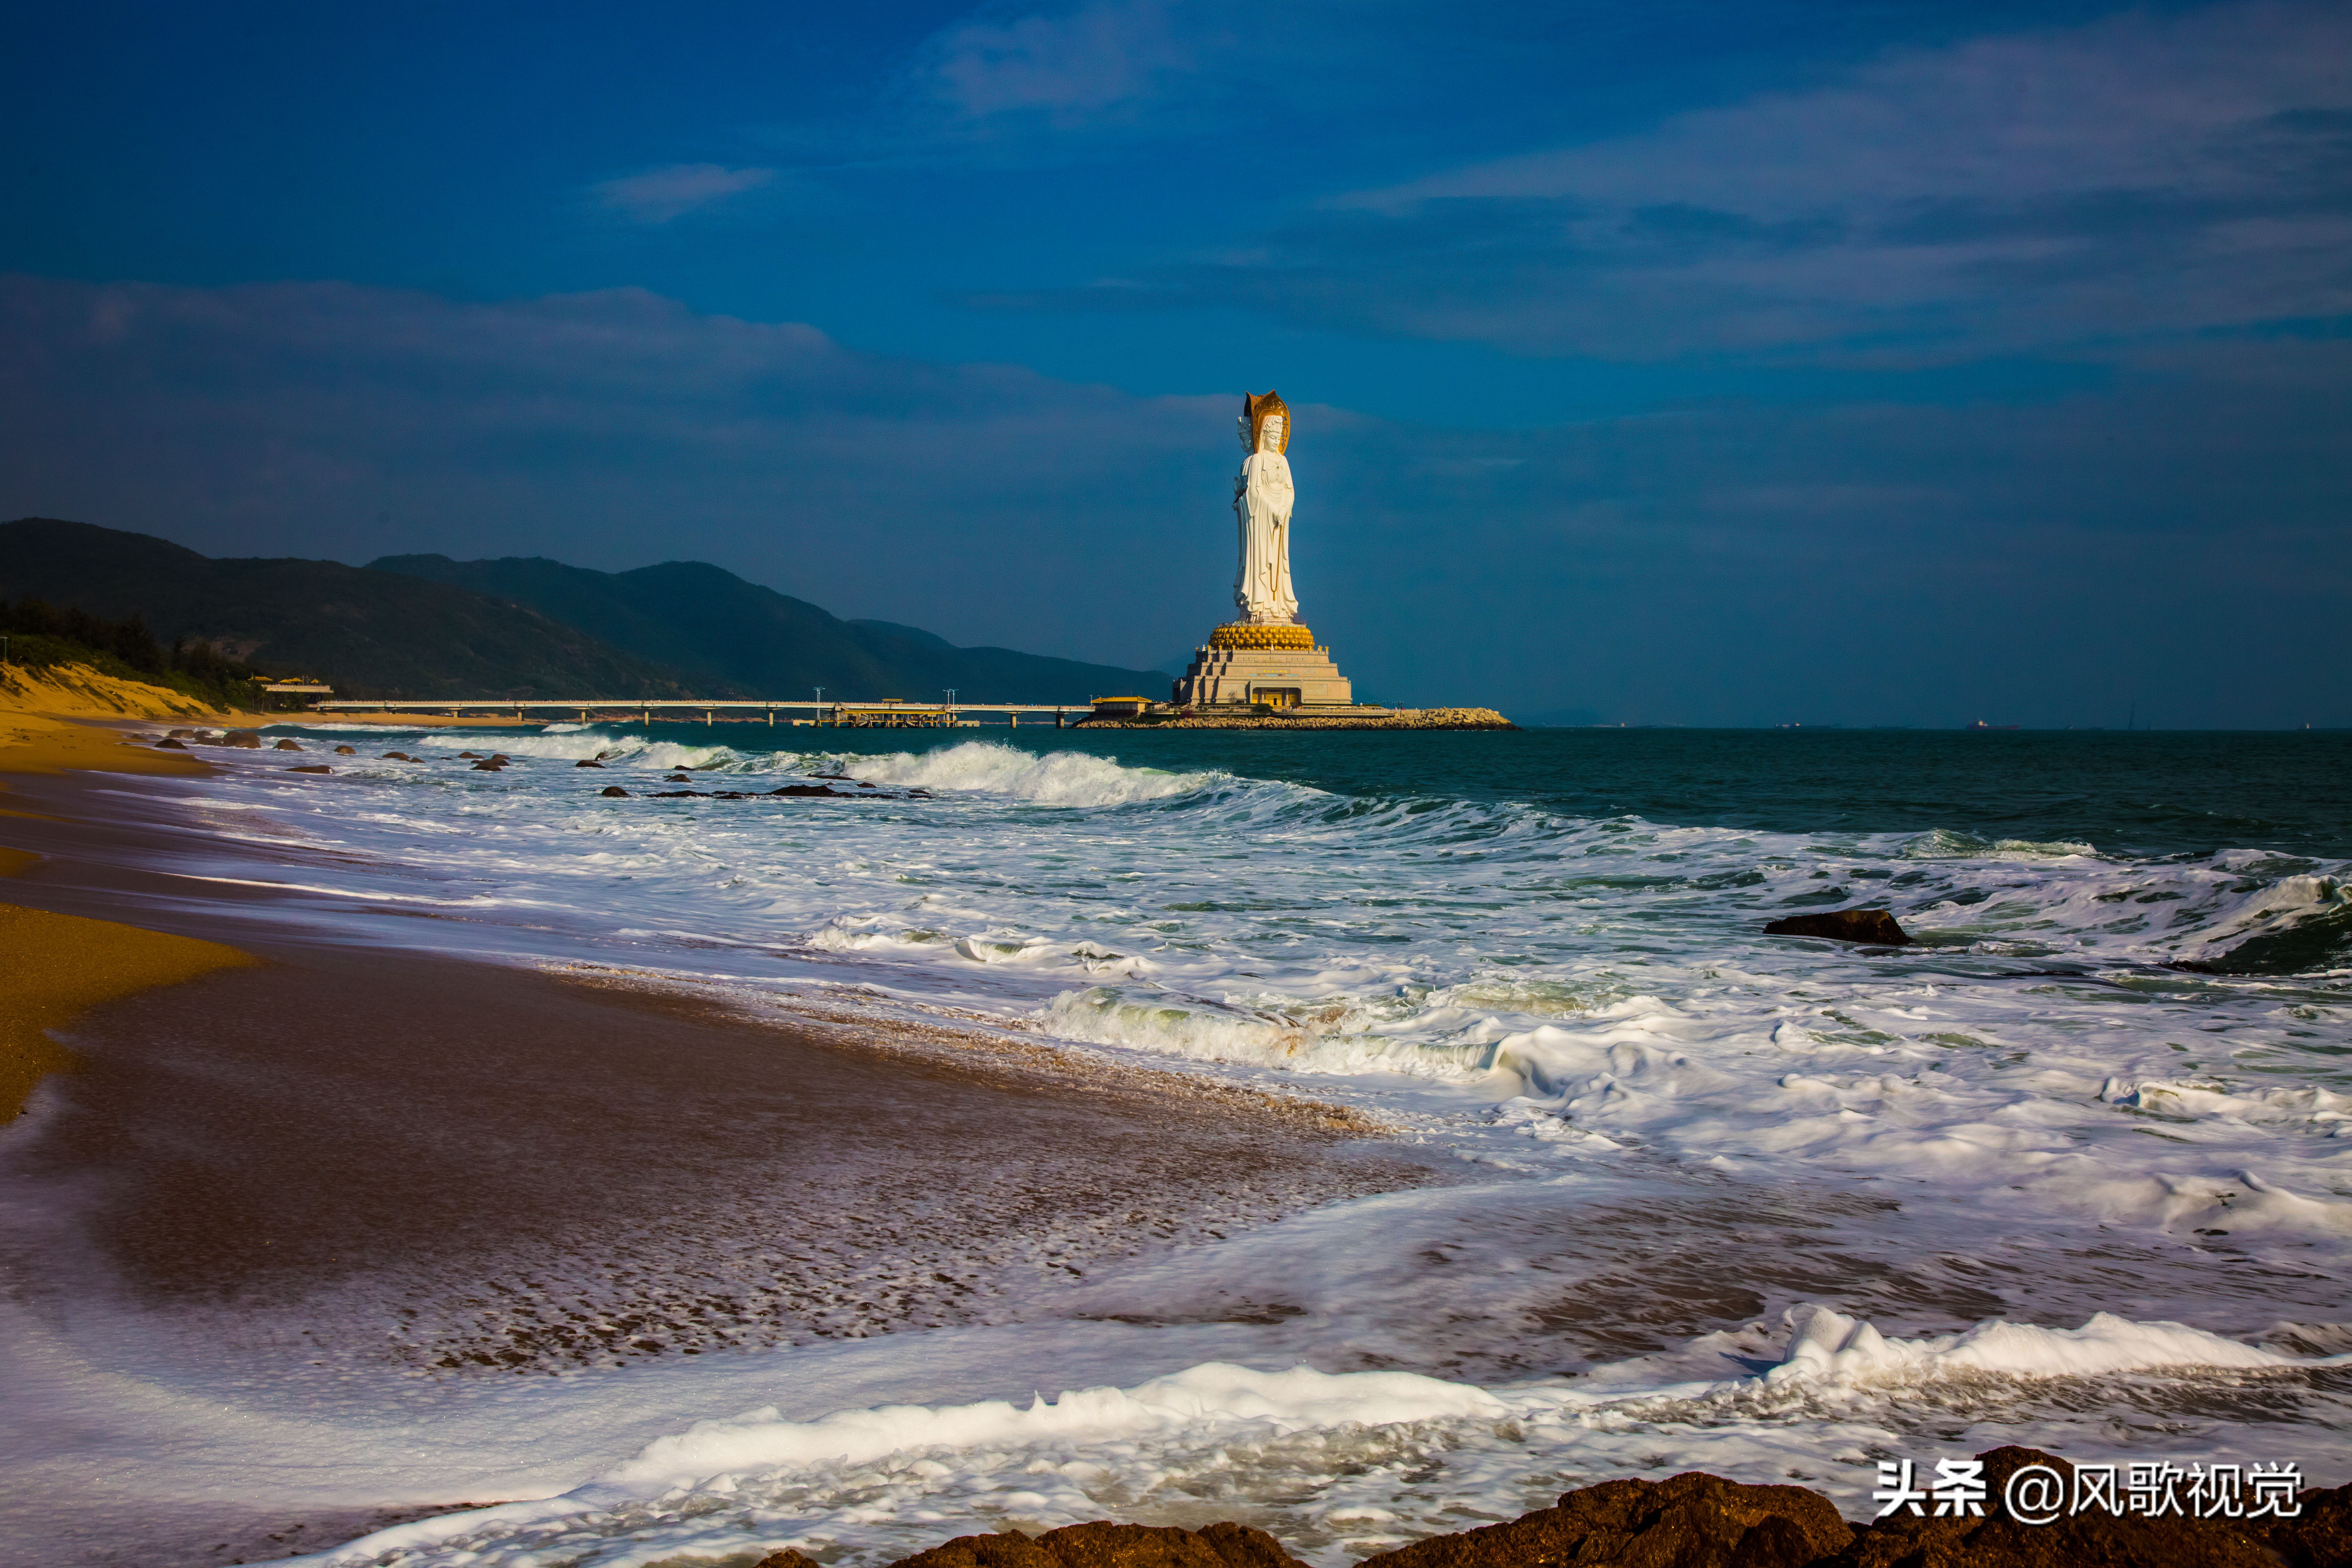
point(2074, 1169)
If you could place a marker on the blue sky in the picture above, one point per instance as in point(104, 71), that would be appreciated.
point(1690, 362)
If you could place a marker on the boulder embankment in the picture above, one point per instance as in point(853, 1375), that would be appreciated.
point(1400, 719)
point(1698, 1520)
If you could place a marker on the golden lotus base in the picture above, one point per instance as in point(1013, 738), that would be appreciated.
point(1251, 634)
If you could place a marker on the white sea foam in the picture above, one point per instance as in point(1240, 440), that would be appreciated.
point(859, 1486)
point(1060, 778)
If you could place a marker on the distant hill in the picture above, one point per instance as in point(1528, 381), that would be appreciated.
point(372, 634)
point(730, 636)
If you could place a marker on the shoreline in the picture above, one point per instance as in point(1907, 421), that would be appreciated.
point(344, 1166)
point(61, 966)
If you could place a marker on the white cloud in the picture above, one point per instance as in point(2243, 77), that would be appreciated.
point(659, 195)
point(1067, 67)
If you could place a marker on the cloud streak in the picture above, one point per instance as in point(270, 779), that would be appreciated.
point(663, 196)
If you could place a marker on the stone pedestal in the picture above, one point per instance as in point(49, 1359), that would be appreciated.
point(1279, 665)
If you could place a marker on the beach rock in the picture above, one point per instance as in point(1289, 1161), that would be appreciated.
point(181, 734)
point(1694, 1520)
point(169, 744)
point(679, 794)
point(813, 789)
point(463, 755)
point(245, 738)
point(288, 745)
point(1875, 926)
point(398, 757)
point(1102, 1544)
point(614, 792)
point(2318, 1537)
point(588, 762)
point(311, 768)
point(487, 766)
point(347, 751)
point(677, 778)
point(2001, 1540)
point(787, 1558)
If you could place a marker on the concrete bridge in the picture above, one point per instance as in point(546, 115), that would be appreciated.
point(882, 713)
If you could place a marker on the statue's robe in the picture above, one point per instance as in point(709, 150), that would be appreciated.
point(1263, 495)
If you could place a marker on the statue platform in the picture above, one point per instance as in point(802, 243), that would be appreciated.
point(1278, 665)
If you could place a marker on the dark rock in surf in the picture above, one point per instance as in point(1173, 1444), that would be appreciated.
point(398, 757)
point(181, 734)
point(813, 789)
point(462, 755)
point(588, 762)
point(169, 744)
point(1694, 1520)
point(614, 792)
point(311, 768)
point(1102, 1544)
point(245, 738)
point(679, 794)
point(347, 751)
point(487, 766)
point(1874, 926)
point(288, 745)
point(787, 1558)
point(675, 778)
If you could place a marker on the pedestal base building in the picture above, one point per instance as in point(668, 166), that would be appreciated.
point(1279, 666)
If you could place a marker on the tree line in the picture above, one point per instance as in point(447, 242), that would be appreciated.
point(41, 635)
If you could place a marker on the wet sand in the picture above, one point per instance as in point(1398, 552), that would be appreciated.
point(345, 1163)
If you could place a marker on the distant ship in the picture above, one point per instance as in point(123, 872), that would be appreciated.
point(1980, 724)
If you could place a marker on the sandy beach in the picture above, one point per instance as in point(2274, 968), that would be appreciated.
point(288, 1159)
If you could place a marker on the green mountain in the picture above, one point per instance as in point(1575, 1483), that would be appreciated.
point(427, 626)
point(370, 634)
point(727, 636)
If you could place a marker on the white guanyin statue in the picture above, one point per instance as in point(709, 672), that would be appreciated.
point(1263, 494)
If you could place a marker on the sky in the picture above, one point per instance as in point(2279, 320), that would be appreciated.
point(1869, 363)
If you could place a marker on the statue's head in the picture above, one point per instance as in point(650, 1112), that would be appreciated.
point(1266, 422)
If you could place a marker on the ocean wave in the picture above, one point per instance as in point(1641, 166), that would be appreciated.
point(1055, 778)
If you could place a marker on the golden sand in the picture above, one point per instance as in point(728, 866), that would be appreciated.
point(52, 967)
point(59, 966)
point(39, 732)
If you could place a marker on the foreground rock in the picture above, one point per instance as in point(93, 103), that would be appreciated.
point(1875, 926)
point(1698, 1520)
point(1694, 1520)
point(1107, 1545)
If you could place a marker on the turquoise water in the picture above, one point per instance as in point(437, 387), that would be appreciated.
point(2141, 793)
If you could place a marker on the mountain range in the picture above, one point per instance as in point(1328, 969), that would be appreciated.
point(425, 627)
